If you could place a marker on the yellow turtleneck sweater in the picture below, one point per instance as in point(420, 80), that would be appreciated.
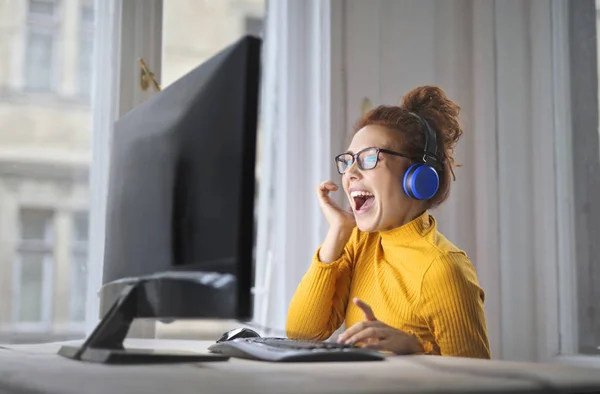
point(413, 278)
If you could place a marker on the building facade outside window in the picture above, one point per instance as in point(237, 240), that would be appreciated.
point(46, 73)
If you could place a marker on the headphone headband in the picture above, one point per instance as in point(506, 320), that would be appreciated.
point(430, 151)
point(421, 181)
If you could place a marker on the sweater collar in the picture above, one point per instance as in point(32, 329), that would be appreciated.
point(409, 232)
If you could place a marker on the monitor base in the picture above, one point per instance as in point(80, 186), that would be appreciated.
point(105, 344)
point(137, 356)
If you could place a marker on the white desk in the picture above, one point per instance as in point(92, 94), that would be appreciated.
point(37, 369)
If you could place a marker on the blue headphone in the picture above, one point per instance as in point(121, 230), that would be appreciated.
point(421, 180)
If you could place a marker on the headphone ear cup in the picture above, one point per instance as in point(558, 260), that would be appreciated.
point(407, 180)
point(421, 182)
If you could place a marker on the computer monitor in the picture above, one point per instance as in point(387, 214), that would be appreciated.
point(180, 207)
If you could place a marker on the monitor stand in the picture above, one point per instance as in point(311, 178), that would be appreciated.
point(105, 344)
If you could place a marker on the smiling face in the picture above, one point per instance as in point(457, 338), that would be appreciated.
point(376, 196)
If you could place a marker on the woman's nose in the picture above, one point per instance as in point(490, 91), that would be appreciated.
point(353, 172)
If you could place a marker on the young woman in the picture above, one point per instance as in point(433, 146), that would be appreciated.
point(384, 268)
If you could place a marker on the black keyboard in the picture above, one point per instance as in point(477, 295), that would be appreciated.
point(289, 350)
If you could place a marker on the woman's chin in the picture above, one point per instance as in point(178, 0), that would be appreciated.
point(366, 229)
point(367, 224)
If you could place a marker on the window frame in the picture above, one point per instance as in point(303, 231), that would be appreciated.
point(573, 122)
point(555, 253)
point(125, 30)
point(541, 254)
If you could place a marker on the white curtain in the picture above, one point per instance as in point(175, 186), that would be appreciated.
point(105, 111)
point(297, 146)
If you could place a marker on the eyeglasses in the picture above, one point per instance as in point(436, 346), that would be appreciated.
point(367, 159)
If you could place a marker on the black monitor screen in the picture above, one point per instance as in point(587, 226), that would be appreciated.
point(181, 186)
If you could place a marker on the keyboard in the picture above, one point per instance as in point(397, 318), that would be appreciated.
point(290, 350)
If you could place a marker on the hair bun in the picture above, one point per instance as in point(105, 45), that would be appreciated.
point(441, 113)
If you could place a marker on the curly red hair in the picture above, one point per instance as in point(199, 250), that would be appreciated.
point(431, 104)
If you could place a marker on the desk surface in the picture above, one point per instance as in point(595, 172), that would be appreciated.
point(37, 369)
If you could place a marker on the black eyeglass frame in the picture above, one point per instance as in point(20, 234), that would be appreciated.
point(377, 151)
point(429, 151)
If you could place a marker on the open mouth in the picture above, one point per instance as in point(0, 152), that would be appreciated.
point(362, 200)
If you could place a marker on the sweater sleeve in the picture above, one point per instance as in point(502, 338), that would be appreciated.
point(318, 307)
point(451, 303)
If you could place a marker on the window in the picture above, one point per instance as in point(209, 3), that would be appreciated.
point(194, 31)
point(33, 269)
point(44, 184)
point(85, 48)
point(586, 177)
point(42, 8)
point(79, 259)
point(253, 26)
point(580, 314)
point(43, 22)
point(87, 13)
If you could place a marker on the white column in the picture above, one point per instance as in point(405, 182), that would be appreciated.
point(61, 273)
point(18, 45)
point(9, 210)
point(68, 46)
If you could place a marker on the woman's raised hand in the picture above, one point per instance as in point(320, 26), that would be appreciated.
point(341, 224)
point(338, 218)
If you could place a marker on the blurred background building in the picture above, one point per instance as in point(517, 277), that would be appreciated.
point(46, 49)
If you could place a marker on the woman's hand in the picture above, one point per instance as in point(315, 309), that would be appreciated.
point(337, 218)
point(341, 224)
point(377, 335)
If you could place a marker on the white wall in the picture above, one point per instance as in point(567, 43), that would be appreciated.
point(394, 46)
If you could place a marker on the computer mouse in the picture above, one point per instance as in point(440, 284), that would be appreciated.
point(238, 333)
